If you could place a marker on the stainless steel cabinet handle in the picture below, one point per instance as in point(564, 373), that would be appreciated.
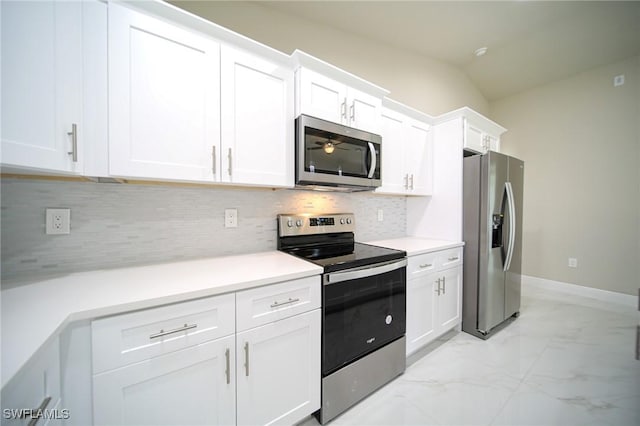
point(36, 412)
point(230, 161)
point(352, 112)
point(227, 371)
point(411, 180)
point(213, 160)
point(277, 304)
point(438, 290)
point(426, 265)
point(406, 181)
point(74, 142)
point(444, 286)
point(162, 333)
point(343, 109)
point(451, 259)
point(246, 358)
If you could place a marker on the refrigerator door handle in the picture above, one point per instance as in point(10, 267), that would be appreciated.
point(512, 225)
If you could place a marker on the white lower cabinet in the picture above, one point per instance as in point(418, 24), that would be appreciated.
point(33, 395)
point(279, 371)
point(194, 386)
point(250, 358)
point(434, 283)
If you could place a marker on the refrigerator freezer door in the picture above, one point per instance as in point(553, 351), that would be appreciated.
point(513, 276)
point(491, 288)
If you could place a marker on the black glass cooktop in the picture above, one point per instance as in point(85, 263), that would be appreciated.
point(344, 255)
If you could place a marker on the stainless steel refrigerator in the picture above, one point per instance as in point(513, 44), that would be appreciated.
point(492, 232)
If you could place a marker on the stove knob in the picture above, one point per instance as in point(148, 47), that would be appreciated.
point(289, 223)
point(298, 223)
point(341, 221)
point(349, 220)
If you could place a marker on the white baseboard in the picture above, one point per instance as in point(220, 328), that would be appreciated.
point(594, 293)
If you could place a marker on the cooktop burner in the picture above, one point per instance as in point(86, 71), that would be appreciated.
point(328, 241)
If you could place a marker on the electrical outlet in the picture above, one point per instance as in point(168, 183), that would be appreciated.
point(380, 215)
point(58, 221)
point(618, 80)
point(573, 262)
point(231, 218)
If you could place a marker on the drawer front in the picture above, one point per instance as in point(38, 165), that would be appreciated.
point(263, 305)
point(450, 258)
point(124, 339)
point(422, 264)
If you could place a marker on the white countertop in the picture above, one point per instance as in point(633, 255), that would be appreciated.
point(36, 312)
point(414, 245)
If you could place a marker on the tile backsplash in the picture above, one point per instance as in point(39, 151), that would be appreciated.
point(116, 225)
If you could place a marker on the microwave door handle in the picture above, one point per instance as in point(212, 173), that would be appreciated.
point(374, 160)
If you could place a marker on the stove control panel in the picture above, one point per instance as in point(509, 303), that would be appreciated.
point(311, 224)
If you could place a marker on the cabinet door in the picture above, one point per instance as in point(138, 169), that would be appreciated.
point(41, 84)
point(394, 176)
point(473, 137)
point(364, 111)
point(257, 120)
point(163, 99)
point(37, 385)
point(419, 158)
point(187, 387)
point(279, 371)
point(449, 300)
point(321, 97)
point(420, 311)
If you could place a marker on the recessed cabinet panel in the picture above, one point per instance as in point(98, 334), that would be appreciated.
point(194, 386)
point(257, 120)
point(279, 371)
point(393, 153)
point(449, 306)
point(41, 84)
point(321, 97)
point(420, 314)
point(163, 99)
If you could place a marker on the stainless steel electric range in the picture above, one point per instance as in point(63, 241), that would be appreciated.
point(363, 306)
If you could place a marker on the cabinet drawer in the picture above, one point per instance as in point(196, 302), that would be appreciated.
point(422, 264)
point(450, 258)
point(37, 385)
point(124, 339)
point(263, 305)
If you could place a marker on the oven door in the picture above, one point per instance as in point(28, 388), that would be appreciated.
point(364, 309)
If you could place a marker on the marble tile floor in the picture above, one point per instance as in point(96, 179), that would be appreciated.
point(567, 360)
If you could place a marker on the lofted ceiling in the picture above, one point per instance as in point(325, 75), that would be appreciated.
point(529, 43)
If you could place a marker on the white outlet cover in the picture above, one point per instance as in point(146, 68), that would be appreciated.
point(231, 218)
point(58, 221)
point(618, 80)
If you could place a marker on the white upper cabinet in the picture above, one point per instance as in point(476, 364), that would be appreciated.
point(163, 99)
point(479, 134)
point(326, 92)
point(257, 120)
point(42, 62)
point(407, 152)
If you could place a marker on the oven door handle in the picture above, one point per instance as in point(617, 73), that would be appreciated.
point(363, 272)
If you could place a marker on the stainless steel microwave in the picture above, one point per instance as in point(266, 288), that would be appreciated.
point(333, 156)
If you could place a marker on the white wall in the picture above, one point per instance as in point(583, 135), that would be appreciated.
point(422, 83)
point(580, 141)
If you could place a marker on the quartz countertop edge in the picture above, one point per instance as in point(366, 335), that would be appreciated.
point(417, 245)
point(34, 313)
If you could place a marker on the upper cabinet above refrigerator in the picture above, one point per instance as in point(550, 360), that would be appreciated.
point(329, 93)
point(479, 133)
